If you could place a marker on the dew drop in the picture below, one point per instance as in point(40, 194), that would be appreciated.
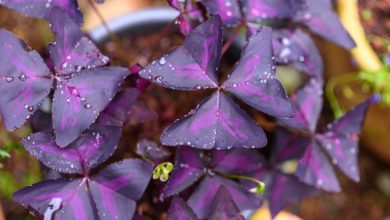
point(162, 61)
point(9, 79)
point(87, 106)
point(22, 77)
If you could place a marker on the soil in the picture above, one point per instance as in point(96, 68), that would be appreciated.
point(376, 22)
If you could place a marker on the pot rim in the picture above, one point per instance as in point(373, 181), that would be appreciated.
point(136, 18)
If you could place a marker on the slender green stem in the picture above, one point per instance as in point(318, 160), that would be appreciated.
point(330, 91)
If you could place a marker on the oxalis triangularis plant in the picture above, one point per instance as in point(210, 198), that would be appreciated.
point(217, 171)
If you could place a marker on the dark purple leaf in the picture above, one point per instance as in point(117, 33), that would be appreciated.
point(297, 48)
point(288, 146)
point(78, 101)
point(116, 188)
point(341, 139)
point(202, 199)
point(117, 112)
point(307, 107)
point(40, 8)
point(223, 207)
point(314, 169)
point(111, 194)
point(72, 51)
point(216, 123)
point(140, 113)
point(253, 78)
point(188, 169)
point(257, 10)
point(236, 161)
point(24, 81)
point(91, 149)
point(322, 20)
point(192, 66)
point(152, 151)
point(228, 10)
point(62, 199)
point(179, 210)
point(281, 189)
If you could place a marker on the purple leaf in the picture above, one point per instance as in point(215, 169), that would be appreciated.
point(268, 9)
point(228, 10)
point(307, 106)
point(192, 66)
point(187, 170)
point(78, 101)
point(341, 139)
point(202, 199)
point(61, 199)
point(314, 169)
point(24, 81)
point(91, 149)
point(281, 189)
point(223, 207)
point(111, 194)
point(216, 123)
point(190, 15)
point(116, 187)
point(236, 161)
point(72, 51)
point(322, 20)
point(152, 151)
point(288, 146)
point(40, 8)
point(297, 48)
point(179, 210)
point(253, 78)
point(140, 113)
point(117, 112)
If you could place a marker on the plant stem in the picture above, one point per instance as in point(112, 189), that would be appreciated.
point(330, 93)
point(231, 39)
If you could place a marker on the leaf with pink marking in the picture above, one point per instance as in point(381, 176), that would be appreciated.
point(298, 49)
point(288, 146)
point(228, 10)
point(235, 161)
point(153, 151)
point(193, 65)
point(257, 10)
point(307, 107)
point(116, 188)
point(111, 194)
point(190, 15)
point(217, 123)
point(179, 210)
point(340, 143)
point(72, 51)
point(314, 169)
point(281, 188)
point(322, 20)
point(253, 78)
point(40, 8)
point(58, 199)
point(117, 112)
point(201, 200)
point(79, 100)
point(189, 164)
point(24, 81)
point(224, 207)
point(91, 149)
point(341, 139)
